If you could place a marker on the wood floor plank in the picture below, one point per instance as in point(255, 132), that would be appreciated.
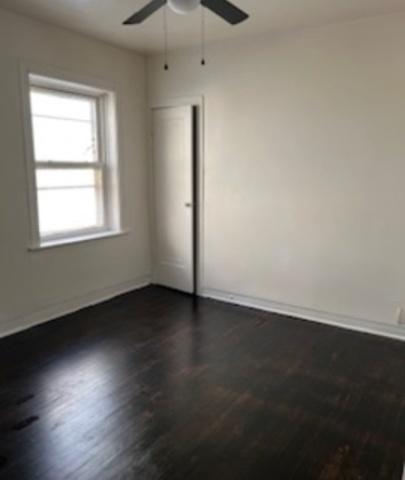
point(157, 385)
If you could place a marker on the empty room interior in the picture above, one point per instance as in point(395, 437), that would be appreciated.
point(202, 231)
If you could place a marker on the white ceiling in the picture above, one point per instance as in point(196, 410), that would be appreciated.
point(102, 18)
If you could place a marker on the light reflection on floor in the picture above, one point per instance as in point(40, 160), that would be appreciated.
point(90, 410)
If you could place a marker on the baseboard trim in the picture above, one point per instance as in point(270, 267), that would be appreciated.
point(358, 325)
point(51, 312)
point(56, 310)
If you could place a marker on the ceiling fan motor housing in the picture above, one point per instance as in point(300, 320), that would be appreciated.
point(183, 6)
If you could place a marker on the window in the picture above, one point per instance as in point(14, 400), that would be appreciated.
point(74, 164)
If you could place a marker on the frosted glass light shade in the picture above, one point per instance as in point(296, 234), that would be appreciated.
point(183, 6)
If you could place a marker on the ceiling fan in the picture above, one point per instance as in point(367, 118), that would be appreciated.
point(226, 10)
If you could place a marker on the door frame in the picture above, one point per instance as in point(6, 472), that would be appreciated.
point(198, 203)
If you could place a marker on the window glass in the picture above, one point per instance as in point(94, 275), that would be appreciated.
point(67, 209)
point(57, 178)
point(64, 128)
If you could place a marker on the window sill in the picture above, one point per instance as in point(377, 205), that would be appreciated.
point(79, 239)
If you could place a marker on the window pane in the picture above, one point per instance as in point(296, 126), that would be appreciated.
point(57, 178)
point(51, 104)
point(71, 194)
point(68, 209)
point(64, 140)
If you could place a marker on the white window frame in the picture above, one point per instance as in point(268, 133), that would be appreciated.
point(107, 147)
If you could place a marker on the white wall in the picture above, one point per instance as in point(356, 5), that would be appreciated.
point(304, 165)
point(37, 285)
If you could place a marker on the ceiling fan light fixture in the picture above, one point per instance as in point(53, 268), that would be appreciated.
point(183, 6)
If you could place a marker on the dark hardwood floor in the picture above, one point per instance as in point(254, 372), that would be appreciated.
point(155, 385)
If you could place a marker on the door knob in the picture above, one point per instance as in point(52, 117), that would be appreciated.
point(188, 204)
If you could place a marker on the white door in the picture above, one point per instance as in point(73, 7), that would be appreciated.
point(173, 192)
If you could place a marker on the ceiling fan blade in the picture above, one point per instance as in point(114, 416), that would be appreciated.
point(145, 12)
point(226, 10)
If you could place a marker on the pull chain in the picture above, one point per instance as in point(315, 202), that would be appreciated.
point(202, 35)
point(166, 37)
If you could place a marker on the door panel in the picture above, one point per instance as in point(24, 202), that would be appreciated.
point(173, 190)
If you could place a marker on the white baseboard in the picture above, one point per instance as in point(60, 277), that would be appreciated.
point(365, 326)
point(56, 310)
point(50, 312)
